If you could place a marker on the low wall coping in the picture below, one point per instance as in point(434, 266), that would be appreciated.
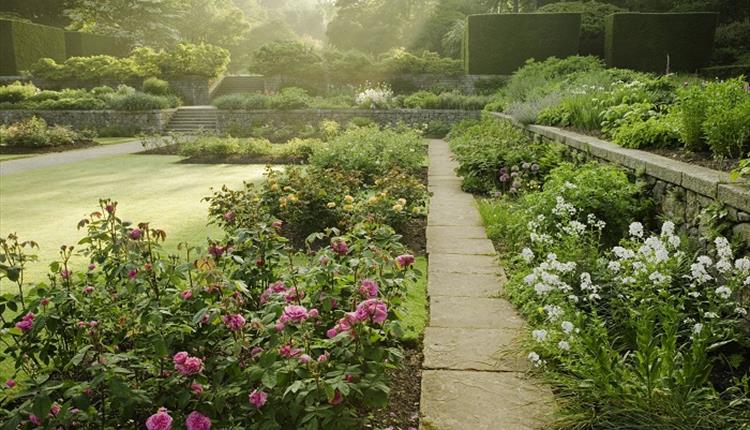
point(702, 180)
point(96, 111)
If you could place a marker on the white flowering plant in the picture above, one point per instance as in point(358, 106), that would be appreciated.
point(377, 96)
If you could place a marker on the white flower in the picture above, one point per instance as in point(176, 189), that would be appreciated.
point(623, 253)
point(699, 274)
point(553, 312)
point(535, 359)
point(573, 298)
point(527, 255)
point(747, 281)
point(723, 292)
point(697, 328)
point(636, 229)
point(574, 228)
point(565, 346)
point(542, 289)
point(529, 279)
point(710, 315)
point(723, 266)
point(539, 335)
point(628, 280)
point(694, 294)
point(667, 229)
point(567, 327)
point(723, 249)
point(704, 260)
point(741, 312)
point(742, 264)
point(614, 266)
point(658, 278)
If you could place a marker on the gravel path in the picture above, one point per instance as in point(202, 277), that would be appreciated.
point(67, 157)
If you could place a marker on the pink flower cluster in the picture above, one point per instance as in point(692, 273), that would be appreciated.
point(369, 288)
point(294, 314)
point(289, 351)
point(187, 365)
point(161, 420)
point(370, 310)
point(291, 294)
point(234, 322)
point(26, 323)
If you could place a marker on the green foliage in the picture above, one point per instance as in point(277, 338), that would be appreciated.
point(23, 43)
point(136, 101)
point(124, 98)
point(372, 152)
point(445, 100)
point(35, 133)
point(538, 78)
point(488, 150)
point(290, 98)
point(592, 15)
point(657, 42)
point(656, 131)
point(156, 86)
point(17, 92)
point(78, 44)
point(287, 58)
point(401, 62)
point(518, 38)
point(231, 150)
point(732, 44)
point(243, 101)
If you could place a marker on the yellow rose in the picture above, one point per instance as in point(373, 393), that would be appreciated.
point(292, 198)
point(348, 199)
point(348, 208)
point(402, 202)
point(331, 205)
point(274, 187)
point(373, 200)
point(397, 207)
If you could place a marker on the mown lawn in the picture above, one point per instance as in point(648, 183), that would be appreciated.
point(45, 205)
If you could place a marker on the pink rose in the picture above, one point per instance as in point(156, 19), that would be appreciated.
point(339, 247)
point(186, 295)
point(369, 288)
point(26, 323)
point(135, 234)
point(197, 421)
point(256, 351)
point(304, 358)
point(337, 398)
point(192, 366)
point(257, 398)
point(10, 383)
point(55, 409)
point(133, 273)
point(88, 289)
point(322, 358)
point(293, 314)
point(65, 274)
point(289, 351)
point(277, 224)
point(196, 388)
point(180, 357)
point(234, 322)
point(159, 421)
point(405, 260)
point(373, 309)
point(331, 333)
point(313, 313)
point(92, 266)
point(35, 420)
point(280, 326)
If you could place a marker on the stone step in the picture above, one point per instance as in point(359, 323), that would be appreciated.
point(464, 246)
point(473, 349)
point(473, 312)
point(482, 285)
point(461, 400)
point(443, 262)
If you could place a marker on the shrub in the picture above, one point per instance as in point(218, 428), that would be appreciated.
point(35, 133)
point(492, 155)
point(290, 98)
point(372, 152)
point(156, 86)
point(732, 43)
point(17, 92)
point(657, 131)
point(244, 101)
point(536, 76)
point(140, 101)
point(374, 97)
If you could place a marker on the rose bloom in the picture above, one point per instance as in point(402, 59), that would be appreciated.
point(26, 323)
point(186, 295)
point(294, 314)
point(340, 247)
point(369, 288)
point(234, 322)
point(180, 357)
point(135, 234)
point(197, 421)
point(405, 260)
point(159, 421)
point(374, 309)
point(257, 398)
point(196, 388)
point(191, 366)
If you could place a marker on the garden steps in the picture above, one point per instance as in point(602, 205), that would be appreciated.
point(192, 119)
point(474, 372)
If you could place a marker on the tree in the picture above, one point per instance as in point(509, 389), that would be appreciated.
point(49, 12)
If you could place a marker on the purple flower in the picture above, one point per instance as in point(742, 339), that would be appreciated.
point(26, 323)
point(66, 274)
point(404, 260)
point(10, 383)
point(229, 216)
point(304, 358)
point(135, 234)
point(372, 309)
point(504, 177)
point(293, 314)
point(339, 247)
point(257, 398)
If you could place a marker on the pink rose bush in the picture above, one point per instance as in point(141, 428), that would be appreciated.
point(147, 330)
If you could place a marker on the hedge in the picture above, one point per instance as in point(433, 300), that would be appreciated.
point(86, 44)
point(642, 41)
point(501, 43)
point(23, 43)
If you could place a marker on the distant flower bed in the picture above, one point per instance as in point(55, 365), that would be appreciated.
point(155, 95)
point(35, 133)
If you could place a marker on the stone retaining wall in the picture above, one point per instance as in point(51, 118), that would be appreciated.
point(153, 121)
point(228, 120)
point(681, 190)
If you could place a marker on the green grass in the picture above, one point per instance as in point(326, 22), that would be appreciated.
point(414, 310)
point(45, 205)
point(8, 157)
point(113, 140)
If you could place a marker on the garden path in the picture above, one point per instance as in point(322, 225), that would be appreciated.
point(474, 372)
point(67, 157)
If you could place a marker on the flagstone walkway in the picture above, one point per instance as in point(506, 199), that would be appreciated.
point(474, 371)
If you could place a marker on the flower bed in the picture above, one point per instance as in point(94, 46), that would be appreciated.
point(245, 331)
point(643, 330)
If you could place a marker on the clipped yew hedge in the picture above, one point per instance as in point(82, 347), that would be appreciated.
point(86, 44)
point(643, 41)
point(23, 43)
point(501, 43)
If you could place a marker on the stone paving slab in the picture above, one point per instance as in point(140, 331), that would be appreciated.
point(468, 246)
point(465, 400)
point(447, 215)
point(464, 284)
point(441, 262)
point(473, 349)
point(435, 232)
point(473, 312)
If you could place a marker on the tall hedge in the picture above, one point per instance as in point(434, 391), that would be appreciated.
point(648, 41)
point(23, 43)
point(79, 44)
point(498, 44)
